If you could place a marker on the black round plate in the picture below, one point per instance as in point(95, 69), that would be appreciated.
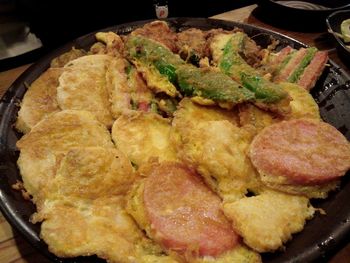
point(321, 237)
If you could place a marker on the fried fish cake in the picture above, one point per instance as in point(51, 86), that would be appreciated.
point(83, 209)
point(82, 86)
point(268, 220)
point(39, 100)
point(302, 104)
point(218, 151)
point(141, 136)
point(92, 172)
point(79, 227)
point(211, 142)
point(42, 149)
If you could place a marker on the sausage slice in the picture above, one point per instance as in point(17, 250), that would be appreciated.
point(301, 152)
point(184, 214)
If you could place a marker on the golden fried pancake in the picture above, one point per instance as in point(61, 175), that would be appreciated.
point(80, 227)
point(302, 103)
point(82, 86)
point(45, 145)
point(217, 150)
point(83, 208)
point(211, 142)
point(142, 136)
point(39, 100)
point(268, 220)
point(99, 172)
point(82, 211)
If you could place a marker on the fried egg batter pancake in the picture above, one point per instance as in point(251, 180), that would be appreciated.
point(98, 171)
point(39, 100)
point(217, 150)
point(302, 104)
point(141, 136)
point(83, 210)
point(42, 149)
point(268, 220)
point(103, 228)
point(211, 142)
point(82, 86)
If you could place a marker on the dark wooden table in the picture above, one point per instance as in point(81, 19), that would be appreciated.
point(13, 248)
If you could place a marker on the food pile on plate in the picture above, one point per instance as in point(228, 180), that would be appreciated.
point(164, 146)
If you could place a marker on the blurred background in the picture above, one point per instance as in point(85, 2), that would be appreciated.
point(30, 28)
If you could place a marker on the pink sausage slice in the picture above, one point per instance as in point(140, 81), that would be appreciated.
point(305, 152)
point(184, 214)
point(313, 70)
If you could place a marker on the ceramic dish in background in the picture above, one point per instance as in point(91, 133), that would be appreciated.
point(333, 22)
point(322, 236)
point(301, 15)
